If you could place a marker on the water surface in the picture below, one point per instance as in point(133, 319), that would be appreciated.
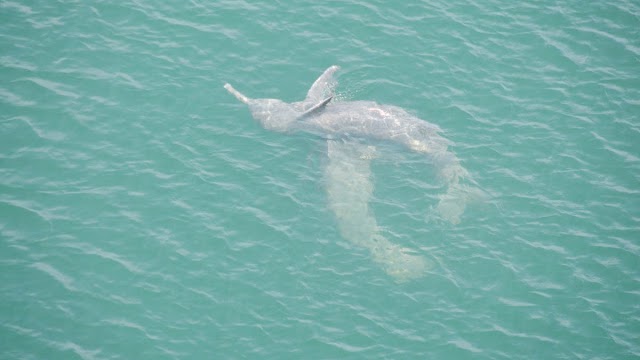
point(144, 214)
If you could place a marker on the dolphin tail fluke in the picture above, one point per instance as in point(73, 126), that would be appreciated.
point(236, 93)
point(454, 201)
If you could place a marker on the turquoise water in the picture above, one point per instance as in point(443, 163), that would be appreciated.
point(145, 215)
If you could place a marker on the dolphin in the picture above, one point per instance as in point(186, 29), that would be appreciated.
point(277, 115)
point(344, 124)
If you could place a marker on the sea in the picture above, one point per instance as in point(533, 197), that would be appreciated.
point(145, 214)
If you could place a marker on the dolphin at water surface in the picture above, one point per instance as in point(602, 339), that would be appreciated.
point(344, 124)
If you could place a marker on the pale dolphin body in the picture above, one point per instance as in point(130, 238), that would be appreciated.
point(348, 172)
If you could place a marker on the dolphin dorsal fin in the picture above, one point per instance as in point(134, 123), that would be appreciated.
point(323, 86)
point(317, 107)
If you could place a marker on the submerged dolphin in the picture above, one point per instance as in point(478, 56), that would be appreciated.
point(348, 172)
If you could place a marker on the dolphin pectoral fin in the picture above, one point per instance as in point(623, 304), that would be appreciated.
point(323, 86)
point(236, 93)
point(317, 107)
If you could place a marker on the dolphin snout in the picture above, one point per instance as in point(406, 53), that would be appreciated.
point(236, 93)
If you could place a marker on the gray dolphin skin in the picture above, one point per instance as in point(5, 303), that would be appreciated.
point(348, 175)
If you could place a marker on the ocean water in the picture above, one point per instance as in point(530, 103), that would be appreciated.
point(145, 215)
